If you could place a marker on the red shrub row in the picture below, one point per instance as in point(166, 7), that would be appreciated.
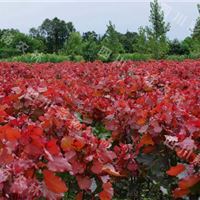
point(49, 114)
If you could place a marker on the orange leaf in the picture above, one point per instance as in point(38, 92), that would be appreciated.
point(54, 183)
point(141, 121)
point(189, 182)
point(174, 171)
point(178, 193)
point(66, 143)
point(146, 139)
point(109, 169)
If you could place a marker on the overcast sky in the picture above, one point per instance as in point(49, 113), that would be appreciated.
point(94, 15)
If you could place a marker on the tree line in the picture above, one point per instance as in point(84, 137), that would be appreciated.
point(60, 37)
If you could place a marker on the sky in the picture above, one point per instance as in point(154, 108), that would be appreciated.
point(95, 15)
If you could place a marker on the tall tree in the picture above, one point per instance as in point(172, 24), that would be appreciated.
point(73, 45)
point(90, 47)
point(111, 39)
point(158, 30)
point(55, 32)
point(196, 31)
point(159, 27)
point(141, 44)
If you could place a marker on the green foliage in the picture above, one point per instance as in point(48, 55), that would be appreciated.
point(176, 57)
point(76, 58)
point(100, 131)
point(141, 45)
point(127, 40)
point(73, 46)
point(60, 37)
point(111, 40)
point(178, 48)
point(90, 48)
point(156, 33)
point(193, 56)
point(192, 44)
point(133, 57)
point(90, 35)
point(41, 58)
point(55, 32)
point(158, 28)
point(8, 52)
point(158, 47)
point(196, 31)
point(12, 42)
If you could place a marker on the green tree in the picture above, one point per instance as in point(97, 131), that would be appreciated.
point(90, 48)
point(141, 44)
point(127, 40)
point(157, 31)
point(111, 39)
point(13, 42)
point(73, 46)
point(196, 31)
point(90, 35)
point(178, 48)
point(55, 32)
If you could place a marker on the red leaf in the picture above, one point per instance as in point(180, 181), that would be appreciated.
point(52, 147)
point(174, 171)
point(79, 196)
point(11, 134)
point(148, 149)
point(5, 157)
point(36, 131)
point(97, 167)
point(178, 193)
point(54, 183)
point(59, 164)
point(3, 114)
point(84, 182)
point(78, 144)
point(189, 182)
point(107, 192)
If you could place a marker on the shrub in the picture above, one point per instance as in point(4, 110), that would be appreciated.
point(100, 131)
point(42, 58)
point(8, 52)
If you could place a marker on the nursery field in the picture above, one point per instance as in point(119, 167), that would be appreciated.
point(88, 131)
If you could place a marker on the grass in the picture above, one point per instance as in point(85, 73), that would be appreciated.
point(42, 58)
point(54, 58)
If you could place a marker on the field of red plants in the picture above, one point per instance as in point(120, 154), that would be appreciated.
point(100, 131)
